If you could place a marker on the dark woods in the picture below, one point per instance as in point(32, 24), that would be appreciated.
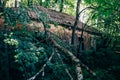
point(45, 42)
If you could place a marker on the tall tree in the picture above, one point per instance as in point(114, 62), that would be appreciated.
point(76, 22)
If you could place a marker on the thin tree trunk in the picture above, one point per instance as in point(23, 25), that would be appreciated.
point(40, 2)
point(61, 6)
point(15, 3)
point(76, 23)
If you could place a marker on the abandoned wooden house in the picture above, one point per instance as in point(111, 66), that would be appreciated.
point(64, 28)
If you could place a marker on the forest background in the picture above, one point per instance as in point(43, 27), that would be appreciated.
point(39, 55)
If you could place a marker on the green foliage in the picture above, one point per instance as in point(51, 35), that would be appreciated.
point(30, 55)
point(13, 17)
point(67, 6)
point(27, 56)
point(27, 51)
point(104, 62)
point(105, 18)
point(23, 53)
point(106, 14)
point(10, 41)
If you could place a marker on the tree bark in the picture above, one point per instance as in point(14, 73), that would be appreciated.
point(74, 58)
point(76, 23)
point(79, 64)
point(65, 51)
point(15, 3)
point(61, 6)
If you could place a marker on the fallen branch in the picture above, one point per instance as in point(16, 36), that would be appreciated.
point(67, 71)
point(42, 69)
point(74, 58)
point(65, 51)
point(78, 67)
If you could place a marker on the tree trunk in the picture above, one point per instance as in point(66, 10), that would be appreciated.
point(15, 3)
point(73, 57)
point(76, 23)
point(40, 2)
point(61, 6)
